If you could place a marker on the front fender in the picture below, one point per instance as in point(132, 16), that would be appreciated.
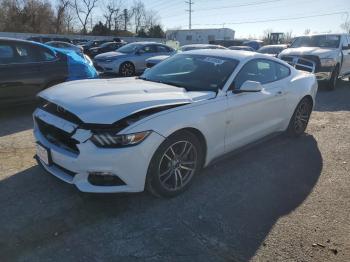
point(208, 117)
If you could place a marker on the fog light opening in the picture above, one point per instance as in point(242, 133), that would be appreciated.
point(104, 179)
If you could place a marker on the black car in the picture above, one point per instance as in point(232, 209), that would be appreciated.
point(104, 48)
point(91, 44)
point(241, 47)
point(272, 50)
point(27, 68)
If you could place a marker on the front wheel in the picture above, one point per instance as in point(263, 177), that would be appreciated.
point(300, 119)
point(127, 69)
point(332, 84)
point(174, 165)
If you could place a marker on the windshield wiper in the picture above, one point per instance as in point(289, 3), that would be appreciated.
point(159, 81)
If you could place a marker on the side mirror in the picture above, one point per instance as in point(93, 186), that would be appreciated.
point(250, 86)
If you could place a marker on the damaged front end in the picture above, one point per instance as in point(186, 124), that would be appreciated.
point(66, 130)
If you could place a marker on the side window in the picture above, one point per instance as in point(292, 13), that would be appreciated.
point(6, 54)
point(150, 49)
point(261, 70)
point(282, 71)
point(163, 49)
point(45, 55)
point(25, 54)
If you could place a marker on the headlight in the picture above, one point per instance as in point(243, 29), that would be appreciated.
point(110, 140)
point(327, 62)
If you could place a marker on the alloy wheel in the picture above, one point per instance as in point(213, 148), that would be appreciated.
point(127, 69)
point(302, 116)
point(178, 165)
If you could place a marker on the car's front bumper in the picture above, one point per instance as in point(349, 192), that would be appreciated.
point(107, 67)
point(129, 164)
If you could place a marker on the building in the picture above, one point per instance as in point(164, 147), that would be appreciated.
point(200, 36)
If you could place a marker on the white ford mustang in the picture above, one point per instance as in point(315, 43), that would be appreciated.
point(157, 131)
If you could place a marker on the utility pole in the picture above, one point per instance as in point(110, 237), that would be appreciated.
point(190, 11)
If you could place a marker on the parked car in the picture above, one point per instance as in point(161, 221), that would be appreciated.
point(27, 67)
point(65, 45)
point(242, 47)
point(272, 50)
point(255, 44)
point(150, 62)
point(104, 48)
point(91, 44)
point(200, 46)
point(157, 131)
point(325, 55)
point(131, 58)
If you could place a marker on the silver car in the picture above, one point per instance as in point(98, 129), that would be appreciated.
point(130, 59)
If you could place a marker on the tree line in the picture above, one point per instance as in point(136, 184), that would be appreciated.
point(96, 17)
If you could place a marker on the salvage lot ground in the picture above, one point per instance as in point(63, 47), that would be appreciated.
point(283, 200)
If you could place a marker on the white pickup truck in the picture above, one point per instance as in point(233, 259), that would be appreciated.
point(325, 55)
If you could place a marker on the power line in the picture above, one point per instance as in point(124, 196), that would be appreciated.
point(190, 11)
point(281, 19)
point(240, 5)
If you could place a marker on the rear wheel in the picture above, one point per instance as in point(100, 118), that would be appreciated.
point(174, 165)
point(127, 69)
point(300, 119)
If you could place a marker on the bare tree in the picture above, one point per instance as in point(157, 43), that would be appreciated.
point(61, 15)
point(139, 14)
point(112, 13)
point(346, 27)
point(83, 9)
point(307, 31)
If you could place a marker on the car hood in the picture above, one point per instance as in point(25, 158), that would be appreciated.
point(106, 101)
point(321, 52)
point(110, 55)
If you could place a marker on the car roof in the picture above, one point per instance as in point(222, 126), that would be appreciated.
point(274, 46)
point(234, 54)
point(146, 43)
point(198, 45)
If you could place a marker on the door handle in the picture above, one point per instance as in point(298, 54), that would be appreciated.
point(278, 93)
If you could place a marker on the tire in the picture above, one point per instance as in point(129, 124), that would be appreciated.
point(332, 83)
point(127, 69)
point(300, 119)
point(174, 165)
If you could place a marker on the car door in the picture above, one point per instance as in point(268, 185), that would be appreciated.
point(20, 76)
point(253, 115)
point(345, 70)
point(143, 54)
point(53, 66)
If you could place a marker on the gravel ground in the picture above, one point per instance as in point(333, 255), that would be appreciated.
point(281, 200)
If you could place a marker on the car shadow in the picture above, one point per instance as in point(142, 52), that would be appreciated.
point(16, 119)
point(336, 100)
point(225, 215)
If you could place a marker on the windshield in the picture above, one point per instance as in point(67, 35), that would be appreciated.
point(129, 48)
point(270, 50)
point(193, 72)
point(323, 41)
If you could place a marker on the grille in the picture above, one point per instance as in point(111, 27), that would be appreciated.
point(57, 136)
point(60, 112)
point(304, 63)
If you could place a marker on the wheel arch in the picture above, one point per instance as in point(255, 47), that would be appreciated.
point(200, 137)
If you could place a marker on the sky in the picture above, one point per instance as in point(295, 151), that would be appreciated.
point(250, 18)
